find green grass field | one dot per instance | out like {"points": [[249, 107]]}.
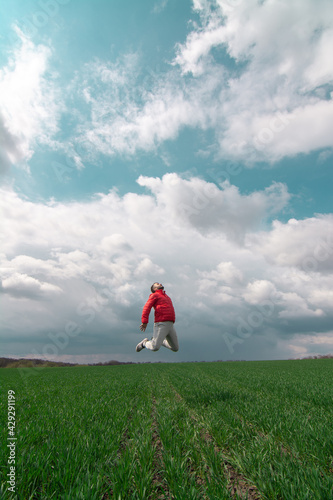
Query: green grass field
{"points": [[180, 431]]}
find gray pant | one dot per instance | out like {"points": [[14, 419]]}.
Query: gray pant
{"points": [[164, 335]]}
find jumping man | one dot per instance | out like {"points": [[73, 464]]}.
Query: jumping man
{"points": [[164, 331]]}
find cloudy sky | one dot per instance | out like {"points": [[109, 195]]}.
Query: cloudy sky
{"points": [[187, 142]]}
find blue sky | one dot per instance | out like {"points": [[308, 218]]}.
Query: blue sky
{"points": [[186, 142]]}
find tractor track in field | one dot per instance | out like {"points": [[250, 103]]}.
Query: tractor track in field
{"points": [[284, 451], [122, 446], [161, 487], [238, 486], [161, 490]]}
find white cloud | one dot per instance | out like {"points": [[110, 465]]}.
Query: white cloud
{"points": [[126, 115], [271, 110], [226, 272], [317, 339], [295, 306], [306, 244], [312, 345], [308, 130], [29, 103], [259, 291], [320, 71], [269, 98], [190, 56], [208, 208], [268, 104], [114, 244], [322, 298], [22, 285], [146, 266], [92, 263]]}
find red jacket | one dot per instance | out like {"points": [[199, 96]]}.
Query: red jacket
{"points": [[162, 304]]}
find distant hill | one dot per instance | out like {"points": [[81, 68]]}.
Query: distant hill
{"points": [[319, 356], [40, 363], [31, 363]]}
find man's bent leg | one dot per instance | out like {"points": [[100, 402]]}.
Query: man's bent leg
{"points": [[161, 330], [171, 340]]}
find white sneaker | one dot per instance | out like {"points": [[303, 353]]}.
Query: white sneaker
{"points": [[140, 345]]}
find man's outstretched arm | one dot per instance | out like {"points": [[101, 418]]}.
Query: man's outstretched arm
{"points": [[146, 311]]}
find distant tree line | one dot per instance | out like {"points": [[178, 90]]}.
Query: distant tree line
{"points": [[318, 356], [31, 363]]}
